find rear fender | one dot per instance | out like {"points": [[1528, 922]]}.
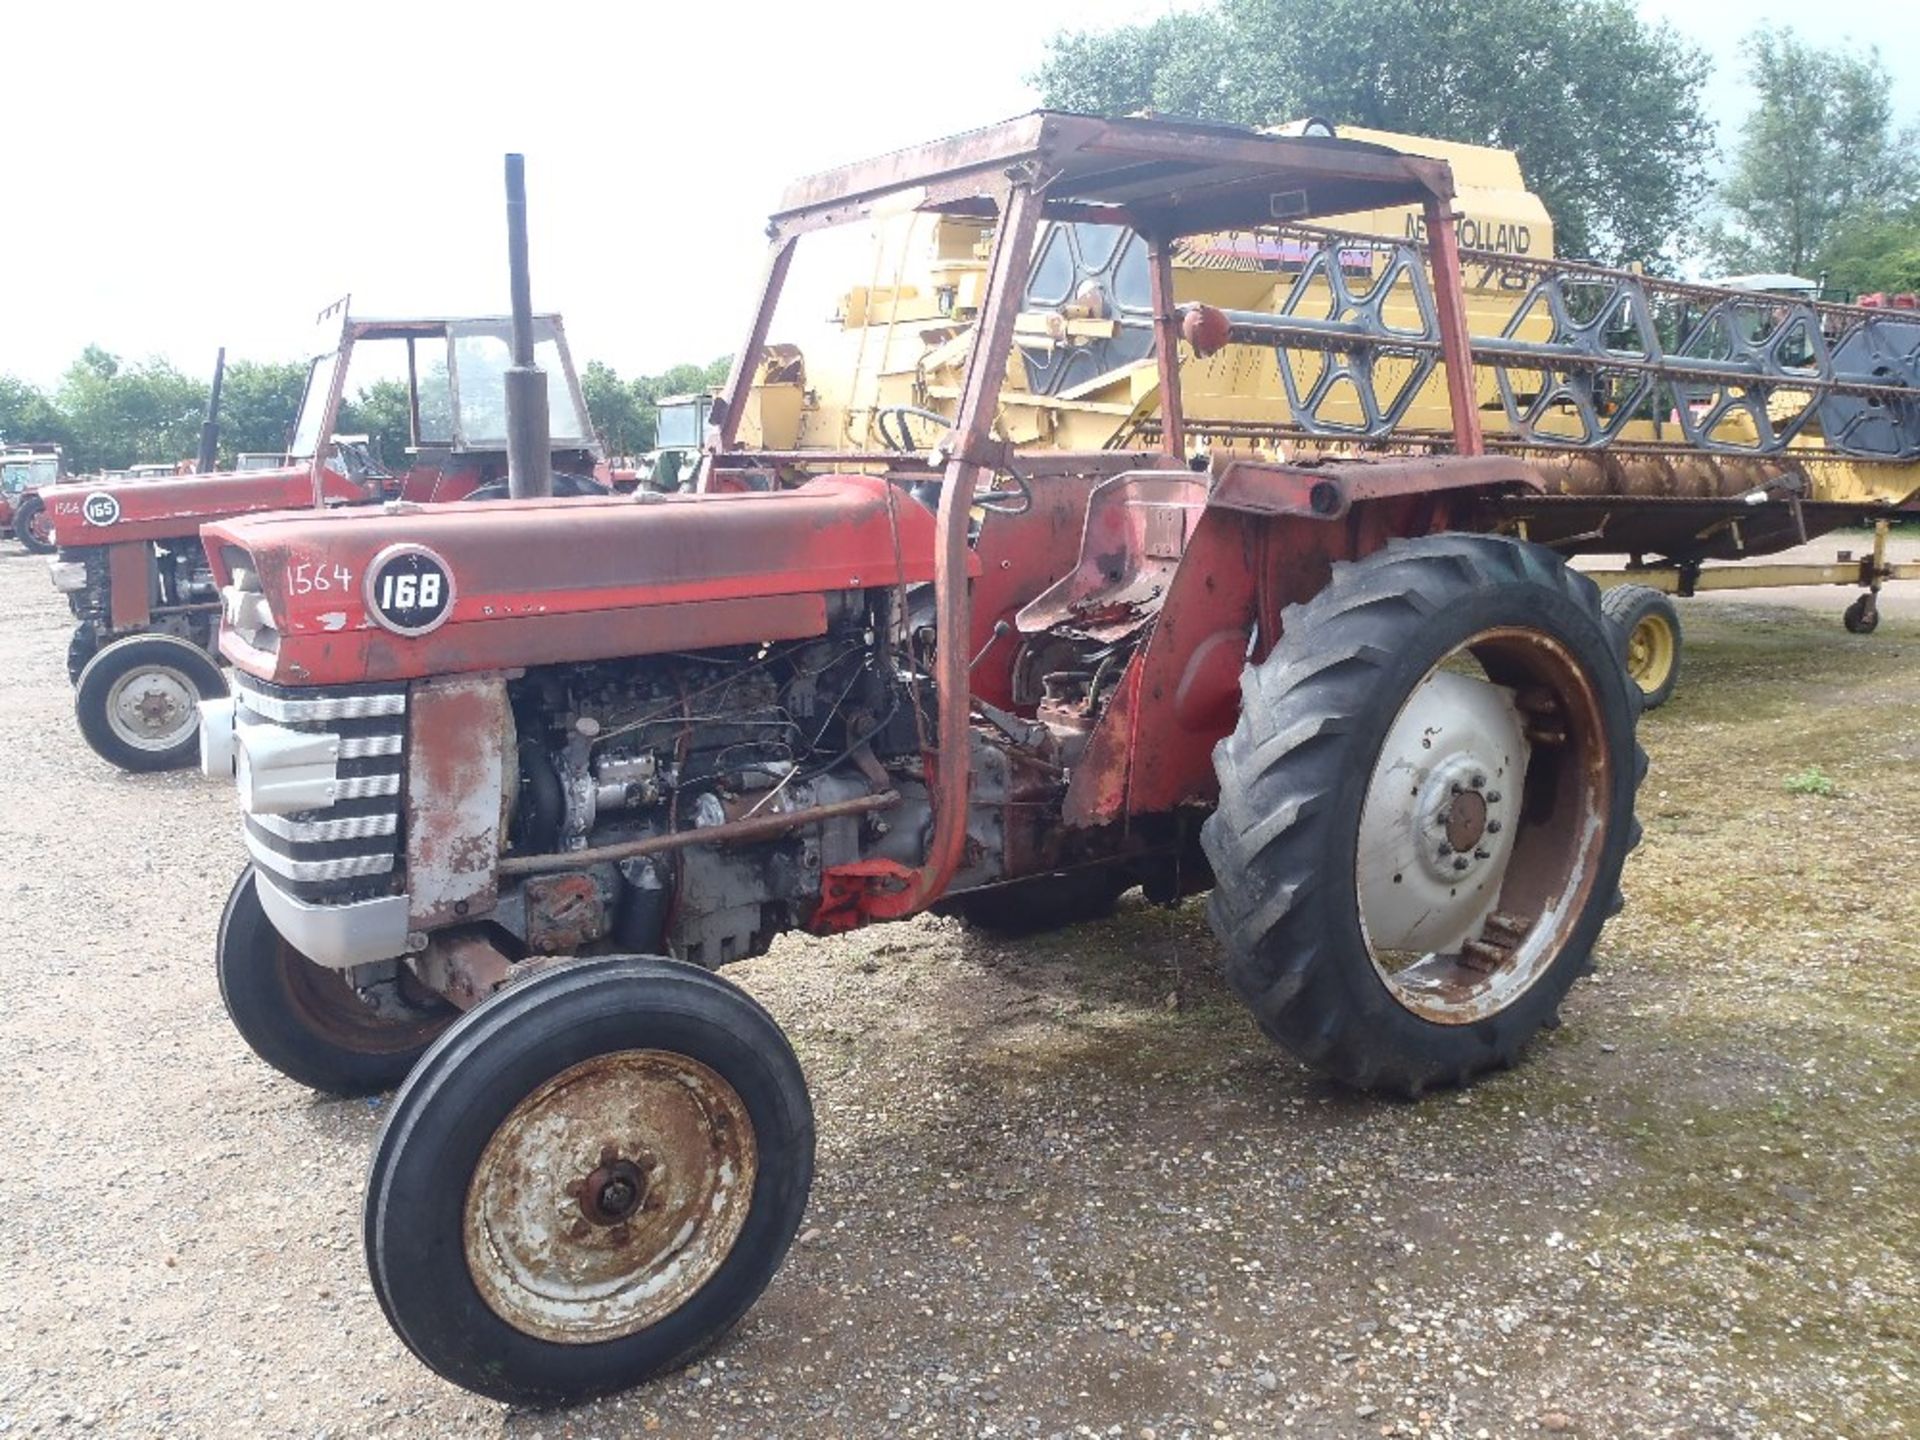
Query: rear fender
{"points": [[1268, 537]]}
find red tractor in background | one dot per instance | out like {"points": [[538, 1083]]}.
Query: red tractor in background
{"points": [[26, 470], [130, 556], [516, 784]]}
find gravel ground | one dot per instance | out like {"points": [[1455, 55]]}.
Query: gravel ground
{"points": [[1065, 1189]]}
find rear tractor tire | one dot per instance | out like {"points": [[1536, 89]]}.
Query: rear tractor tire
{"points": [[1424, 810], [138, 701], [1648, 623], [81, 647], [590, 1177], [33, 526], [305, 1020]]}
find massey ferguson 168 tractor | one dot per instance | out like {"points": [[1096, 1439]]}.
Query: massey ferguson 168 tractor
{"points": [[131, 561], [516, 784]]}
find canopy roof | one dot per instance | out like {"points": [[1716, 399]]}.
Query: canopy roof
{"points": [[1162, 177]]}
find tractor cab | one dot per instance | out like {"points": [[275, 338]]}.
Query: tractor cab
{"points": [[438, 388], [680, 432]]}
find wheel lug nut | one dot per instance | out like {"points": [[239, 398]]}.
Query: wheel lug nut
{"points": [[1479, 854], [1493, 827], [1493, 797], [1479, 782], [1459, 862]]}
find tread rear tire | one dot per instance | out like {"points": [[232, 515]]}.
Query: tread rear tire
{"points": [[30, 526], [304, 1019], [1035, 906], [1295, 776]]}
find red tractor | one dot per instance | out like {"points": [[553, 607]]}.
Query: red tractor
{"points": [[130, 556], [516, 785]]}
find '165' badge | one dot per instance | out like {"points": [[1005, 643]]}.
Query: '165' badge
{"points": [[409, 590], [100, 508]]}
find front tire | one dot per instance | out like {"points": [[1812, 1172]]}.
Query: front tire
{"points": [[33, 526], [305, 1020], [589, 1178], [1648, 624], [138, 701], [1413, 860]]}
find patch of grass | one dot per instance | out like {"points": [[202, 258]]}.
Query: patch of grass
{"points": [[1811, 781]]}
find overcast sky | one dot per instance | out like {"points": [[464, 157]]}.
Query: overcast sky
{"points": [[177, 177]]}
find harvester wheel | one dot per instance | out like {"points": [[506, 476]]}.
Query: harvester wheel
{"points": [[590, 1177], [1649, 627], [1862, 616], [1424, 810], [305, 1020], [33, 526], [1047, 902], [138, 701]]}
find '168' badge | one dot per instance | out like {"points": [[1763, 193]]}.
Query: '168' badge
{"points": [[409, 590]]}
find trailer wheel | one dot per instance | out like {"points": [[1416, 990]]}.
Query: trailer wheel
{"points": [[589, 1178], [304, 1019], [1047, 902], [138, 701], [1649, 626], [33, 526], [1424, 811], [1862, 617], [81, 647]]}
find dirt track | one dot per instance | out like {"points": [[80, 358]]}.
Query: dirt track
{"points": [[1065, 1189]]}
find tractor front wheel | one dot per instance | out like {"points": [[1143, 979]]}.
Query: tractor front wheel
{"points": [[590, 1177], [1424, 810], [33, 526], [1862, 617], [307, 1021], [138, 701], [1648, 624]]}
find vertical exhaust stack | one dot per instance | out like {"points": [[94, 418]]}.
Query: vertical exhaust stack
{"points": [[210, 427], [529, 451]]}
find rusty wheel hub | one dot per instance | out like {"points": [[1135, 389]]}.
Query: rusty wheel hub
{"points": [[153, 708], [609, 1196], [1463, 891]]}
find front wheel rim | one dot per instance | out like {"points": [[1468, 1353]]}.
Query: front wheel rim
{"points": [[609, 1196], [1484, 820], [153, 708]]}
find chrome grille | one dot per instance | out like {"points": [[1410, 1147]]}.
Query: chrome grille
{"points": [[352, 846]]}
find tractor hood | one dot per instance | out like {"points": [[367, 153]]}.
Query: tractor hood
{"points": [[127, 510], [406, 591]]}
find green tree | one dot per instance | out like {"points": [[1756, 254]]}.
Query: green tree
{"points": [[1874, 252], [258, 404], [123, 415], [1818, 155], [1603, 108], [26, 414], [382, 412], [624, 421]]}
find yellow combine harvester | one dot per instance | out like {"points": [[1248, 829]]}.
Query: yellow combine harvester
{"points": [[1681, 425]]}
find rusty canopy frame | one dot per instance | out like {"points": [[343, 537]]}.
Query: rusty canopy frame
{"points": [[1163, 179]]}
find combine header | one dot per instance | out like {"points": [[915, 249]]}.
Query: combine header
{"points": [[554, 772]]}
